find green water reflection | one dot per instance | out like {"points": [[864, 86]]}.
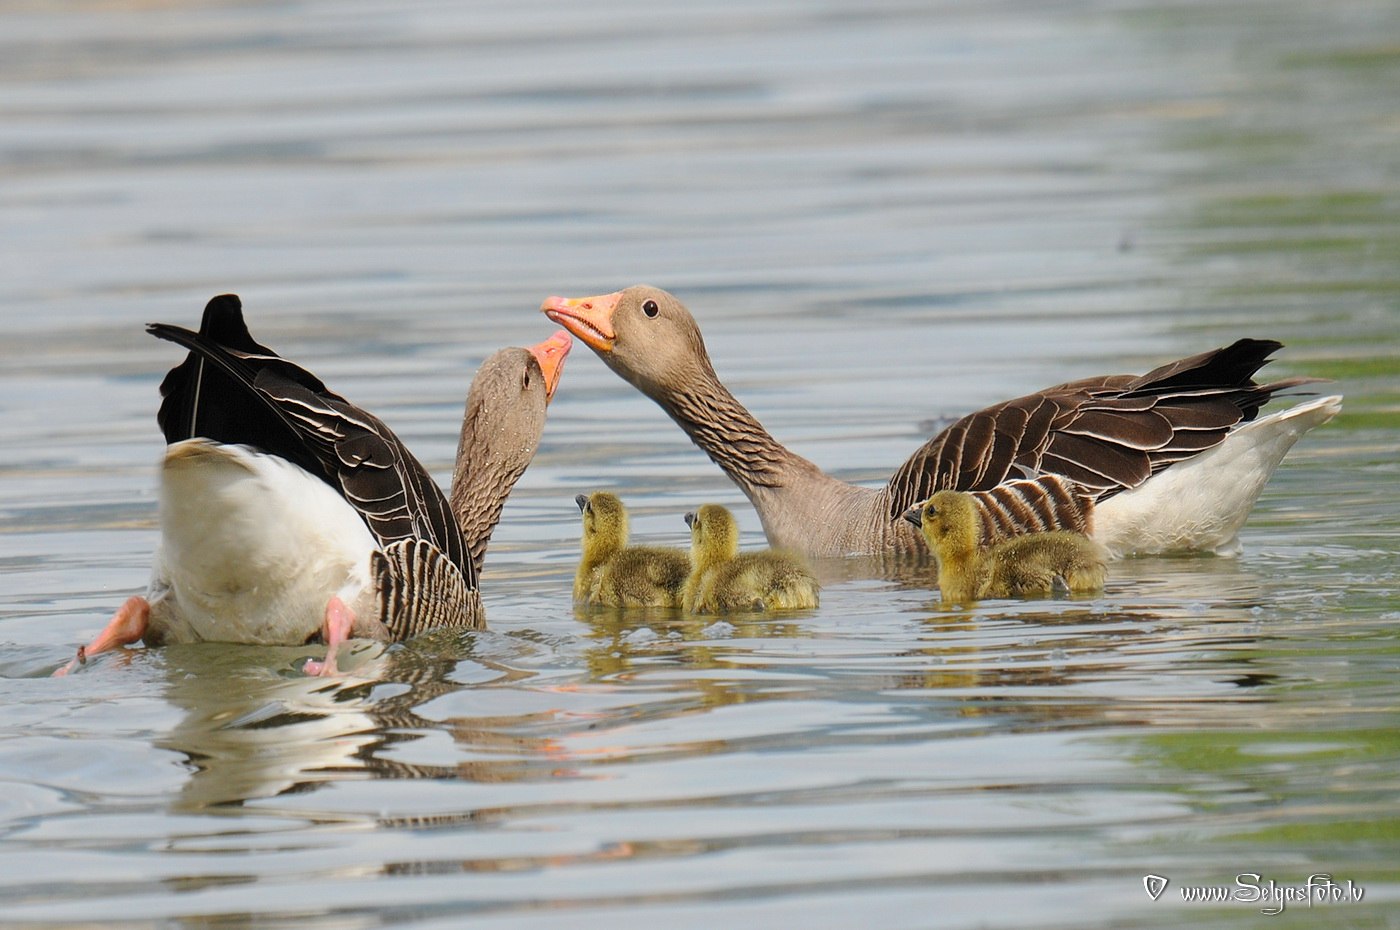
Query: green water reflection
{"points": [[1289, 218]]}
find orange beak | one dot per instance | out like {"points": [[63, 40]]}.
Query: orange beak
{"points": [[589, 318], [551, 354]]}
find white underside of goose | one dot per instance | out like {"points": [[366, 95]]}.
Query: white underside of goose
{"points": [[252, 548], [1200, 504]]}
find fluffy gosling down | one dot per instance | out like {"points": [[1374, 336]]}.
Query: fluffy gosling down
{"points": [[614, 574], [1025, 565], [724, 579]]}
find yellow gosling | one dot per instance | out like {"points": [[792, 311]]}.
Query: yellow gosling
{"points": [[724, 579], [614, 574], [1026, 565]]}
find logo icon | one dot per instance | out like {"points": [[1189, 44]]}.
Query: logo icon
{"points": [[1155, 885]]}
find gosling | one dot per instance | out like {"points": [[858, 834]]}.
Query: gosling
{"points": [[1034, 564], [723, 579], [614, 574]]}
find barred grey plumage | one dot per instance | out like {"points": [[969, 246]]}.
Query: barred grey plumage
{"points": [[419, 589], [1034, 505]]}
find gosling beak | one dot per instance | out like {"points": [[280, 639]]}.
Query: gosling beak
{"points": [[582, 501], [915, 516], [589, 318], [690, 519], [551, 354]]}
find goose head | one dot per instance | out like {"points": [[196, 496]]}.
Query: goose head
{"points": [[506, 404], [642, 333]]}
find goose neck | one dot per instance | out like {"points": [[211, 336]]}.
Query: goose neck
{"points": [[732, 437]]}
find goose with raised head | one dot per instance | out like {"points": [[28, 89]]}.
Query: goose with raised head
{"points": [[724, 579], [1033, 564], [1172, 460], [614, 574], [287, 513]]}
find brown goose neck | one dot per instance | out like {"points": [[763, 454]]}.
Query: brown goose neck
{"points": [[479, 490], [731, 436]]}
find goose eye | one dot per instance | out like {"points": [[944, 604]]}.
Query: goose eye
{"points": [[527, 381], [650, 308]]}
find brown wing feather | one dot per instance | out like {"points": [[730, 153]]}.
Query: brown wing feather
{"points": [[301, 420], [1108, 433]]}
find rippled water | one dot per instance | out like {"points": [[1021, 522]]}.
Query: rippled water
{"points": [[884, 215]]}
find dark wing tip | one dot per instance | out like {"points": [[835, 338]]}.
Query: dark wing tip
{"points": [[222, 324], [1229, 366], [171, 333], [220, 307]]}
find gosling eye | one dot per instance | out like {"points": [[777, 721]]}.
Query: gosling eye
{"points": [[650, 309]]}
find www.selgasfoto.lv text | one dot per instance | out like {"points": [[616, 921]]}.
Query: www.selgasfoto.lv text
{"points": [[1253, 888]]}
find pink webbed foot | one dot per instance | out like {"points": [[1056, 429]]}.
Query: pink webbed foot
{"points": [[335, 629], [127, 626]]}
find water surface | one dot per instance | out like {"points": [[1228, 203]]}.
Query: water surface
{"points": [[884, 215]]}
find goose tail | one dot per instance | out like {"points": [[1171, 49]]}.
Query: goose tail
{"points": [[1202, 502]]}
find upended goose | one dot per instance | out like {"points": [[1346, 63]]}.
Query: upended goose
{"points": [[1172, 460], [614, 574], [1033, 564], [286, 512]]}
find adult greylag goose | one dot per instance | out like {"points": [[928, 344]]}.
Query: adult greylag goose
{"points": [[1032, 564], [724, 579], [614, 574], [1170, 460], [287, 513]]}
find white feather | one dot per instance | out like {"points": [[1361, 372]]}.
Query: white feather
{"points": [[1201, 503], [252, 547]]}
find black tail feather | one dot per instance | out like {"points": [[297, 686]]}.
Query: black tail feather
{"points": [[223, 363]]}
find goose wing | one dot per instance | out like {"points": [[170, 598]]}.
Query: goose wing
{"points": [[233, 390], [1105, 434]]}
